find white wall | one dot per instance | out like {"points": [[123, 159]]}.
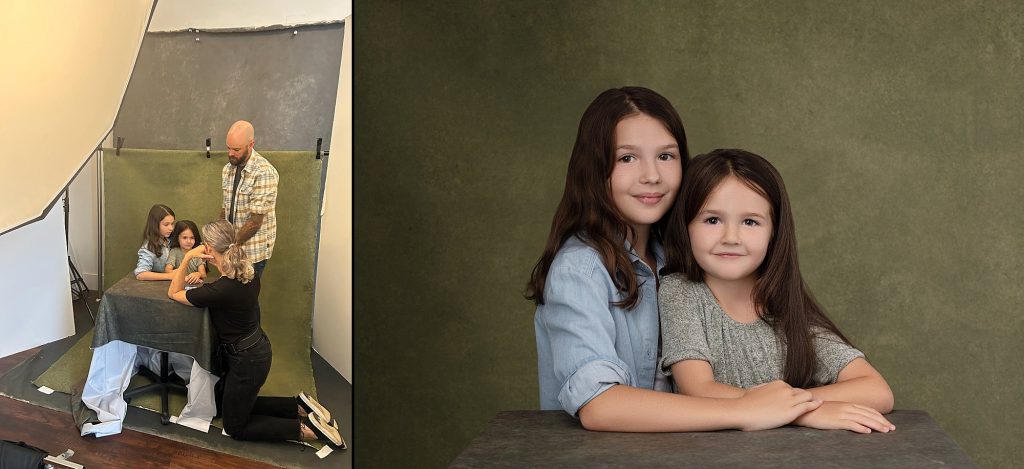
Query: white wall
{"points": [[56, 102], [83, 222], [177, 15], [35, 285], [332, 309], [66, 68]]}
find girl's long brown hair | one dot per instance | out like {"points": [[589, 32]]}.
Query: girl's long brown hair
{"points": [[151, 235], [781, 297], [586, 209]]}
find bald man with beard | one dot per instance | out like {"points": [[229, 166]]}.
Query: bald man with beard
{"points": [[249, 186]]}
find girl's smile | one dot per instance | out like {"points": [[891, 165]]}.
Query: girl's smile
{"points": [[649, 199], [730, 234]]}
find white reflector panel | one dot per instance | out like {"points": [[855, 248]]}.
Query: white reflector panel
{"points": [[66, 68]]}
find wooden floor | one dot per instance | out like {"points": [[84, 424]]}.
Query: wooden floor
{"points": [[55, 431]]}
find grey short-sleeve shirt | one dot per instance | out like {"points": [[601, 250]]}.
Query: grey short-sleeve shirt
{"points": [[176, 255], [694, 327]]}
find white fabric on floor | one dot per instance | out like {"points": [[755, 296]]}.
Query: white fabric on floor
{"points": [[201, 406], [111, 370]]}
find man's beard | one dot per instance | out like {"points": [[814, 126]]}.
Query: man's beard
{"points": [[242, 159]]}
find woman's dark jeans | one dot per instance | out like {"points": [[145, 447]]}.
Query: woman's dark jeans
{"points": [[246, 415]]}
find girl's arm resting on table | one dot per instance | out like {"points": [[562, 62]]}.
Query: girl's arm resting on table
{"points": [[858, 383], [169, 268], [576, 322], [202, 270], [855, 402], [695, 378], [148, 275], [837, 415], [147, 261], [628, 409], [176, 291]]}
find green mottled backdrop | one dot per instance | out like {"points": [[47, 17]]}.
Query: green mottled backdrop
{"points": [[190, 184], [897, 126]]}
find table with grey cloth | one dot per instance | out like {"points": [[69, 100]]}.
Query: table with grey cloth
{"points": [[139, 312], [554, 439]]}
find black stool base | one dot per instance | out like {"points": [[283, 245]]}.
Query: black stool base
{"points": [[162, 383]]}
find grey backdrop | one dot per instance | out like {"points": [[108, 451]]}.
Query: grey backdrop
{"points": [[183, 91], [896, 125]]}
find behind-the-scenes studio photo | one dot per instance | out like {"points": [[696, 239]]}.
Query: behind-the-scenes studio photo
{"points": [[176, 241]]}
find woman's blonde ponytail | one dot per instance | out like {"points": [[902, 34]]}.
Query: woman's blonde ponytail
{"points": [[220, 236]]}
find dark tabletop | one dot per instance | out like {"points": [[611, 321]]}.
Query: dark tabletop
{"points": [[139, 312], [554, 439]]}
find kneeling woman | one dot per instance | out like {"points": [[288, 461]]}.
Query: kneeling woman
{"points": [[233, 302]]}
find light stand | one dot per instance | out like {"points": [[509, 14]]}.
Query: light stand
{"points": [[79, 290]]}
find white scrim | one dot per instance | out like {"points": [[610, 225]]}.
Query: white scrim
{"points": [[66, 68]]}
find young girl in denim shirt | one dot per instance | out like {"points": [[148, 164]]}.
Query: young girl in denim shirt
{"points": [[153, 258], [734, 308], [595, 285], [154, 251]]}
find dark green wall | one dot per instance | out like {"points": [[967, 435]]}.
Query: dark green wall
{"points": [[896, 126]]}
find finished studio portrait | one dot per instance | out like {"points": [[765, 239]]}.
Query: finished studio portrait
{"points": [[689, 234]]}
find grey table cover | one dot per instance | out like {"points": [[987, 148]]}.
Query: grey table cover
{"points": [[139, 312], [553, 439]]}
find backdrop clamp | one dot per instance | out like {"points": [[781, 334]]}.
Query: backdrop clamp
{"points": [[207, 147], [319, 143], [117, 147]]}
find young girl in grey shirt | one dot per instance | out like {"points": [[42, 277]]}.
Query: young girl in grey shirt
{"points": [[184, 237], [735, 313]]}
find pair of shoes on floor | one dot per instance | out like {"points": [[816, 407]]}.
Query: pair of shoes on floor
{"points": [[325, 432], [313, 407]]}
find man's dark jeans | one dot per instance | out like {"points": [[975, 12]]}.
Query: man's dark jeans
{"points": [[259, 266]]}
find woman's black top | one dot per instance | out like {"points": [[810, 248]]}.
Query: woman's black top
{"points": [[233, 306]]}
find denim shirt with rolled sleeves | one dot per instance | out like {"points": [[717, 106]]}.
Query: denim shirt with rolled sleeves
{"points": [[149, 262], [586, 344]]}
